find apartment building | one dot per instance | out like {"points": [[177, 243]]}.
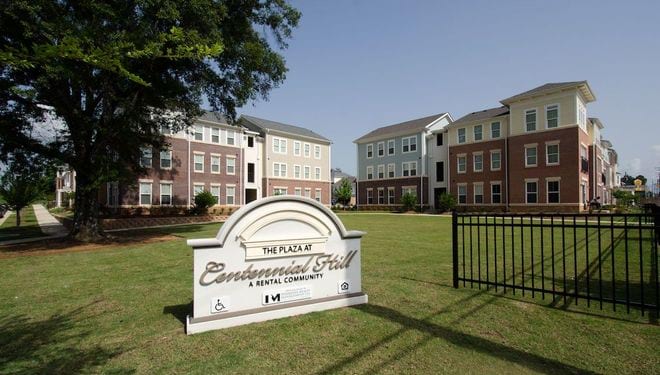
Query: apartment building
{"points": [[409, 157], [539, 151], [234, 162], [296, 161]]}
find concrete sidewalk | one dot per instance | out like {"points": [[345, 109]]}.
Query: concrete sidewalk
{"points": [[48, 224], [7, 215]]}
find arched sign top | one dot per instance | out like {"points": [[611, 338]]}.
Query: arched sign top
{"points": [[274, 209]]}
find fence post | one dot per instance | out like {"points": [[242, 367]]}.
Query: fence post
{"points": [[656, 222], [454, 245]]}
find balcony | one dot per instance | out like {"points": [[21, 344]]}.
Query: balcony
{"points": [[584, 165]]}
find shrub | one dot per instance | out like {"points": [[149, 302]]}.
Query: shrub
{"points": [[408, 201], [203, 200], [446, 202]]}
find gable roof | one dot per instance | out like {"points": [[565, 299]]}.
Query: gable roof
{"points": [[263, 126], [583, 86], [411, 126], [214, 117], [481, 115]]}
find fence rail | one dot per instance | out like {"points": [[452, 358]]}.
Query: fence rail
{"points": [[580, 258]]}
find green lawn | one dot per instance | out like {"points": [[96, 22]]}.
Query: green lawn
{"points": [[121, 310], [29, 227]]}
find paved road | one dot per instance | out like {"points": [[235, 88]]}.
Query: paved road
{"points": [[48, 224], [7, 214]]}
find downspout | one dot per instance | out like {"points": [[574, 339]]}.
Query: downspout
{"points": [[506, 168], [240, 171], [267, 160], [330, 179], [188, 161], [423, 169]]}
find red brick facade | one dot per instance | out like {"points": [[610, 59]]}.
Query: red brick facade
{"points": [[420, 183], [486, 176], [290, 185]]}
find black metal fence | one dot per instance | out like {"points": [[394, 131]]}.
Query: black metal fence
{"points": [[609, 259]]}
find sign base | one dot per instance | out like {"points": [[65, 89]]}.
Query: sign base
{"points": [[229, 319]]}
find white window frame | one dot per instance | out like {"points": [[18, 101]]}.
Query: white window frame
{"points": [[231, 135], [307, 149], [217, 197], [493, 152], [317, 152], [317, 195], [458, 193], [279, 169], [481, 132], [165, 183], [499, 129], [230, 162], [219, 157], [370, 150], [380, 149], [547, 108], [380, 196], [219, 135], [232, 195], [169, 158], [297, 171], [408, 142], [317, 173], [370, 196], [536, 119], [391, 170], [198, 130], [548, 180], [392, 148], [279, 145], [195, 155], [534, 147], [409, 189], [194, 190], [547, 154], [408, 167], [492, 194], [370, 171], [297, 191], [474, 192], [474, 161], [280, 190], [151, 192], [307, 172], [460, 157], [146, 153], [532, 180], [381, 171], [308, 193], [297, 148], [458, 135], [391, 195]]}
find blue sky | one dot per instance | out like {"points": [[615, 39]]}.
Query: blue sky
{"points": [[358, 65]]}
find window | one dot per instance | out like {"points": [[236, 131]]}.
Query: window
{"points": [[308, 192], [145, 157], [461, 135], [166, 194], [409, 144], [391, 170], [552, 154], [215, 135], [496, 192], [553, 191], [279, 169], [199, 162], [495, 160], [250, 172], [552, 116], [166, 159], [410, 169], [370, 173], [479, 193], [370, 196], [439, 139], [296, 148], [478, 132], [279, 145], [439, 171], [229, 194], [381, 171], [317, 152], [250, 142], [381, 149], [317, 173], [462, 194], [317, 195], [231, 165], [390, 147], [390, 195], [381, 196], [412, 190], [145, 193], [530, 120], [308, 172], [296, 171], [280, 191], [197, 188], [215, 192], [232, 141], [478, 162], [495, 130], [462, 164], [531, 192], [370, 151], [297, 191], [199, 132], [307, 149], [215, 163], [530, 156]]}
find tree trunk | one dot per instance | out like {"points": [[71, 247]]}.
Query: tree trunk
{"points": [[86, 226], [18, 218]]}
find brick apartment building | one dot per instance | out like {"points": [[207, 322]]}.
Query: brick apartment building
{"points": [[538, 152], [233, 162], [409, 157]]}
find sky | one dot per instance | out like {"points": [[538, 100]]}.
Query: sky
{"points": [[358, 65]]}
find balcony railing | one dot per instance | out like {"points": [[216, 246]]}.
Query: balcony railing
{"points": [[584, 166]]}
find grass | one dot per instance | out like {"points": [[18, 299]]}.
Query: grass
{"points": [[29, 226], [62, 212], [120, 310]]}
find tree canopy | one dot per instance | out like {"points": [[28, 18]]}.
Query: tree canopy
{"points": [[115, 72]]}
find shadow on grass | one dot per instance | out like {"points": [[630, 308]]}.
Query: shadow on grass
{"points": [[53, 345], [531, 361], [180, 312]]}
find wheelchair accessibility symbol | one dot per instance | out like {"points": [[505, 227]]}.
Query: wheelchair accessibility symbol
{"points": [[219, 304]]}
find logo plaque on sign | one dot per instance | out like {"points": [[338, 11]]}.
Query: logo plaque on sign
{"points": [[275, 257]]}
